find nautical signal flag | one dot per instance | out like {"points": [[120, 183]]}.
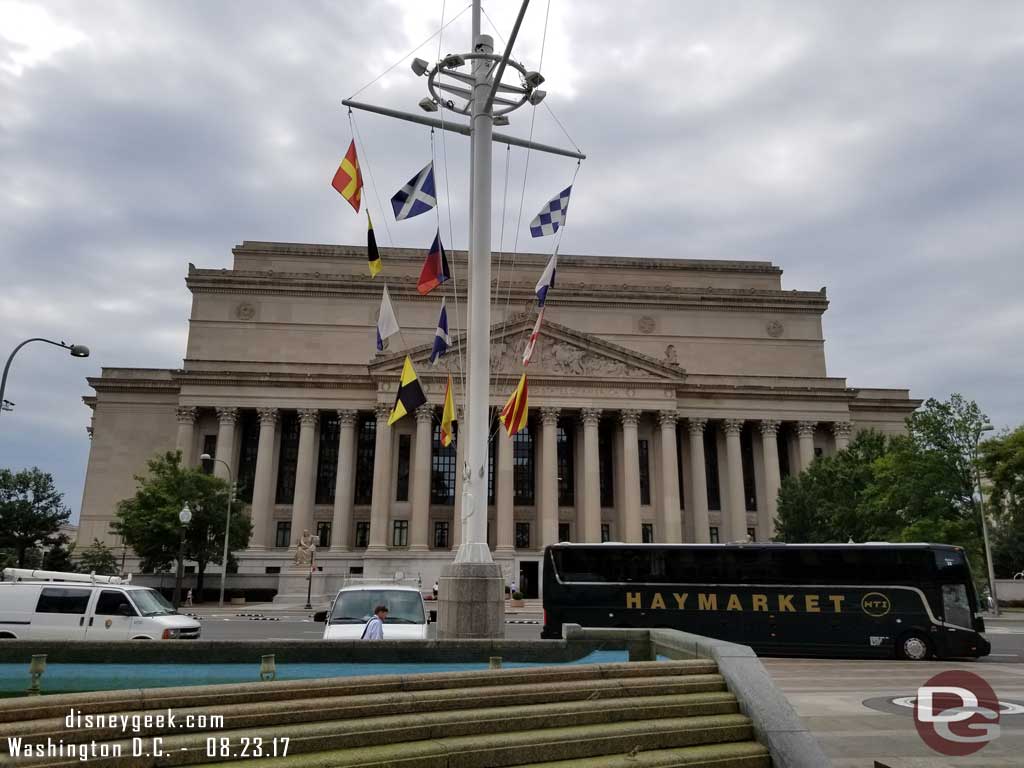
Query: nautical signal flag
{"points": [[372, 254], [387, 323], [447, 415], [513, 415], [441, 339], [417, 196], [410, 393], [347, 179], [435, 269], [528, 352], [547, 279], [552, 215]]}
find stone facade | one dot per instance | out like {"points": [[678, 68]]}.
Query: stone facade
{"points": [[667, 400]]}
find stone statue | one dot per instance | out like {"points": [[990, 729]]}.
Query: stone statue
{"points": [[305, 549], [671, 356]]}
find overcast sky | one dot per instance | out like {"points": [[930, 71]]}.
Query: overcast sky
{"points": [[873, 148]]}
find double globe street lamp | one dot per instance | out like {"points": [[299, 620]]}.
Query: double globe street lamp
{"points": [[184, 517], [76, 350]]}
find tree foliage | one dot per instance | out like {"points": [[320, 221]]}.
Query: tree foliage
{"points": [[149, 523], [98, 559], [1002, 464], [913, 487], [32, 512]]}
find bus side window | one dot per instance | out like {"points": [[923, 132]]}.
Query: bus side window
{"points": [[955, 605]]}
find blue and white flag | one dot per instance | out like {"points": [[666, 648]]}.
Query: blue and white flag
{"points": [[417, 196], [387, 323], [547, 279], [441, 338], [552, 215]]}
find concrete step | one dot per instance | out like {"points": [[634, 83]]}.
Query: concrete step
{"points": [[496, 750], [691, 694], [739, 754], [222, 699]]}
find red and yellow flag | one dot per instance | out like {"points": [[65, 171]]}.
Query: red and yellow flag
{"points": [[513, 415], [447, 415], [348, 180]]}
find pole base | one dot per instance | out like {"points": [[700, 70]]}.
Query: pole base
{"points": [[471, 602]]}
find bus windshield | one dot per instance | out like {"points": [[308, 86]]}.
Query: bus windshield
{"points": [[356, 606]]}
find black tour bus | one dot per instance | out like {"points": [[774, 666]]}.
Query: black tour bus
{"points": [[911, 600]]}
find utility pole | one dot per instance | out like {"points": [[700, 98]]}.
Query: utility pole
{"points": [[471, 589]]}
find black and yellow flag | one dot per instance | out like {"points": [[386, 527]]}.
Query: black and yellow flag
{"points": [[372, 255], [410, 393]]}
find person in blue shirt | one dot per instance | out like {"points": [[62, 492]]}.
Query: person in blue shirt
{"points": [[374, 629]]}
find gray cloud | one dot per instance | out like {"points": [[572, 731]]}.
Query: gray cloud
{"points": [[876, 150]]}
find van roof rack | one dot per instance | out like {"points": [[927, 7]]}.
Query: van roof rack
{"points": [[34, 574], [399, 579]]}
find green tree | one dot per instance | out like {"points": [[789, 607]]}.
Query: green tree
{"points": [[59, 556], [149, 523], [32, 512], [830, 501], [98, 559], [1002, 464]]}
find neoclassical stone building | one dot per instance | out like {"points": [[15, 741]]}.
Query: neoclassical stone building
{"points": [[667, 399]]}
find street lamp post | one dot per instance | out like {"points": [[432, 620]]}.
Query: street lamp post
{"points": [[184, 517], [312, 570], [76, 350], [227, 522], [984, 523]]}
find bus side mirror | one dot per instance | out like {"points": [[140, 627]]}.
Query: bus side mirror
{"points": [[320, 616]]}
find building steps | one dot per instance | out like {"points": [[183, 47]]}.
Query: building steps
{"points": [[663, 713]]}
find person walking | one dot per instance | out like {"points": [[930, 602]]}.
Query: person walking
{"points": [[188, 599], [435, 590], [374, 629]]}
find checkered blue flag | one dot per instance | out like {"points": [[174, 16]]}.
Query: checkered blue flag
{"points": [[552, 215]]}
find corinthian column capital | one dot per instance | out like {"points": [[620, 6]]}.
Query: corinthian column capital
{"points": [[424, 413], [227, 415], [308, 417], [696, 424], [629, 417], [347, 418], [769, 427], [549, 415], [732, 426], [842, 428], [668, 418], [186, 414], [806, 428], [382, 411], [268, 416], [590, 416]]}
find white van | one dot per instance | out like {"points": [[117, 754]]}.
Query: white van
{"points": [[353, 607], [49, 605]]}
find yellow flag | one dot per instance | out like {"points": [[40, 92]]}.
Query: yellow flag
{"points": [[513, 415], [447, 415]]}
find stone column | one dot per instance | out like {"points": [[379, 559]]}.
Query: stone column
{"points": [[421, 479], [841, 431], [549, 476], [770, 452], [505, 492], [305, 475], [737, 503], [805, 433], [263, 484], [671, 514], [380, 505], [460, 459], [630, 504], [344, 481], [228, 418], [590, 417], [698, 473], [186, 434]]}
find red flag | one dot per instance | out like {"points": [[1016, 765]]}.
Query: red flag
{"points": [[435, 269]]}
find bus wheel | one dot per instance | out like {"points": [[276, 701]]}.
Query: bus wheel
{"points": [[914, 647]]}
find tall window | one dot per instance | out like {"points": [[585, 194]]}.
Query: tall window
{"points": [[522, 535], [647, 533], [606, 464], [289, 458], [713, 534], [210, 445], [400, 534], [441, 534], [679, 465], [747, 456], [365, 445], [522, 466], [782, 441], [564, 532], [443, 471], [327, 463], [645, 472], [752, 533], [283, 536], [402, 484], [250, 425], [606, 532], [362, 533], [711, 466], [566, 466], [323, 533]]}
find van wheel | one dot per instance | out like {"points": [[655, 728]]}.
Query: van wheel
{"points": [[914, 647], [7, 636]]}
